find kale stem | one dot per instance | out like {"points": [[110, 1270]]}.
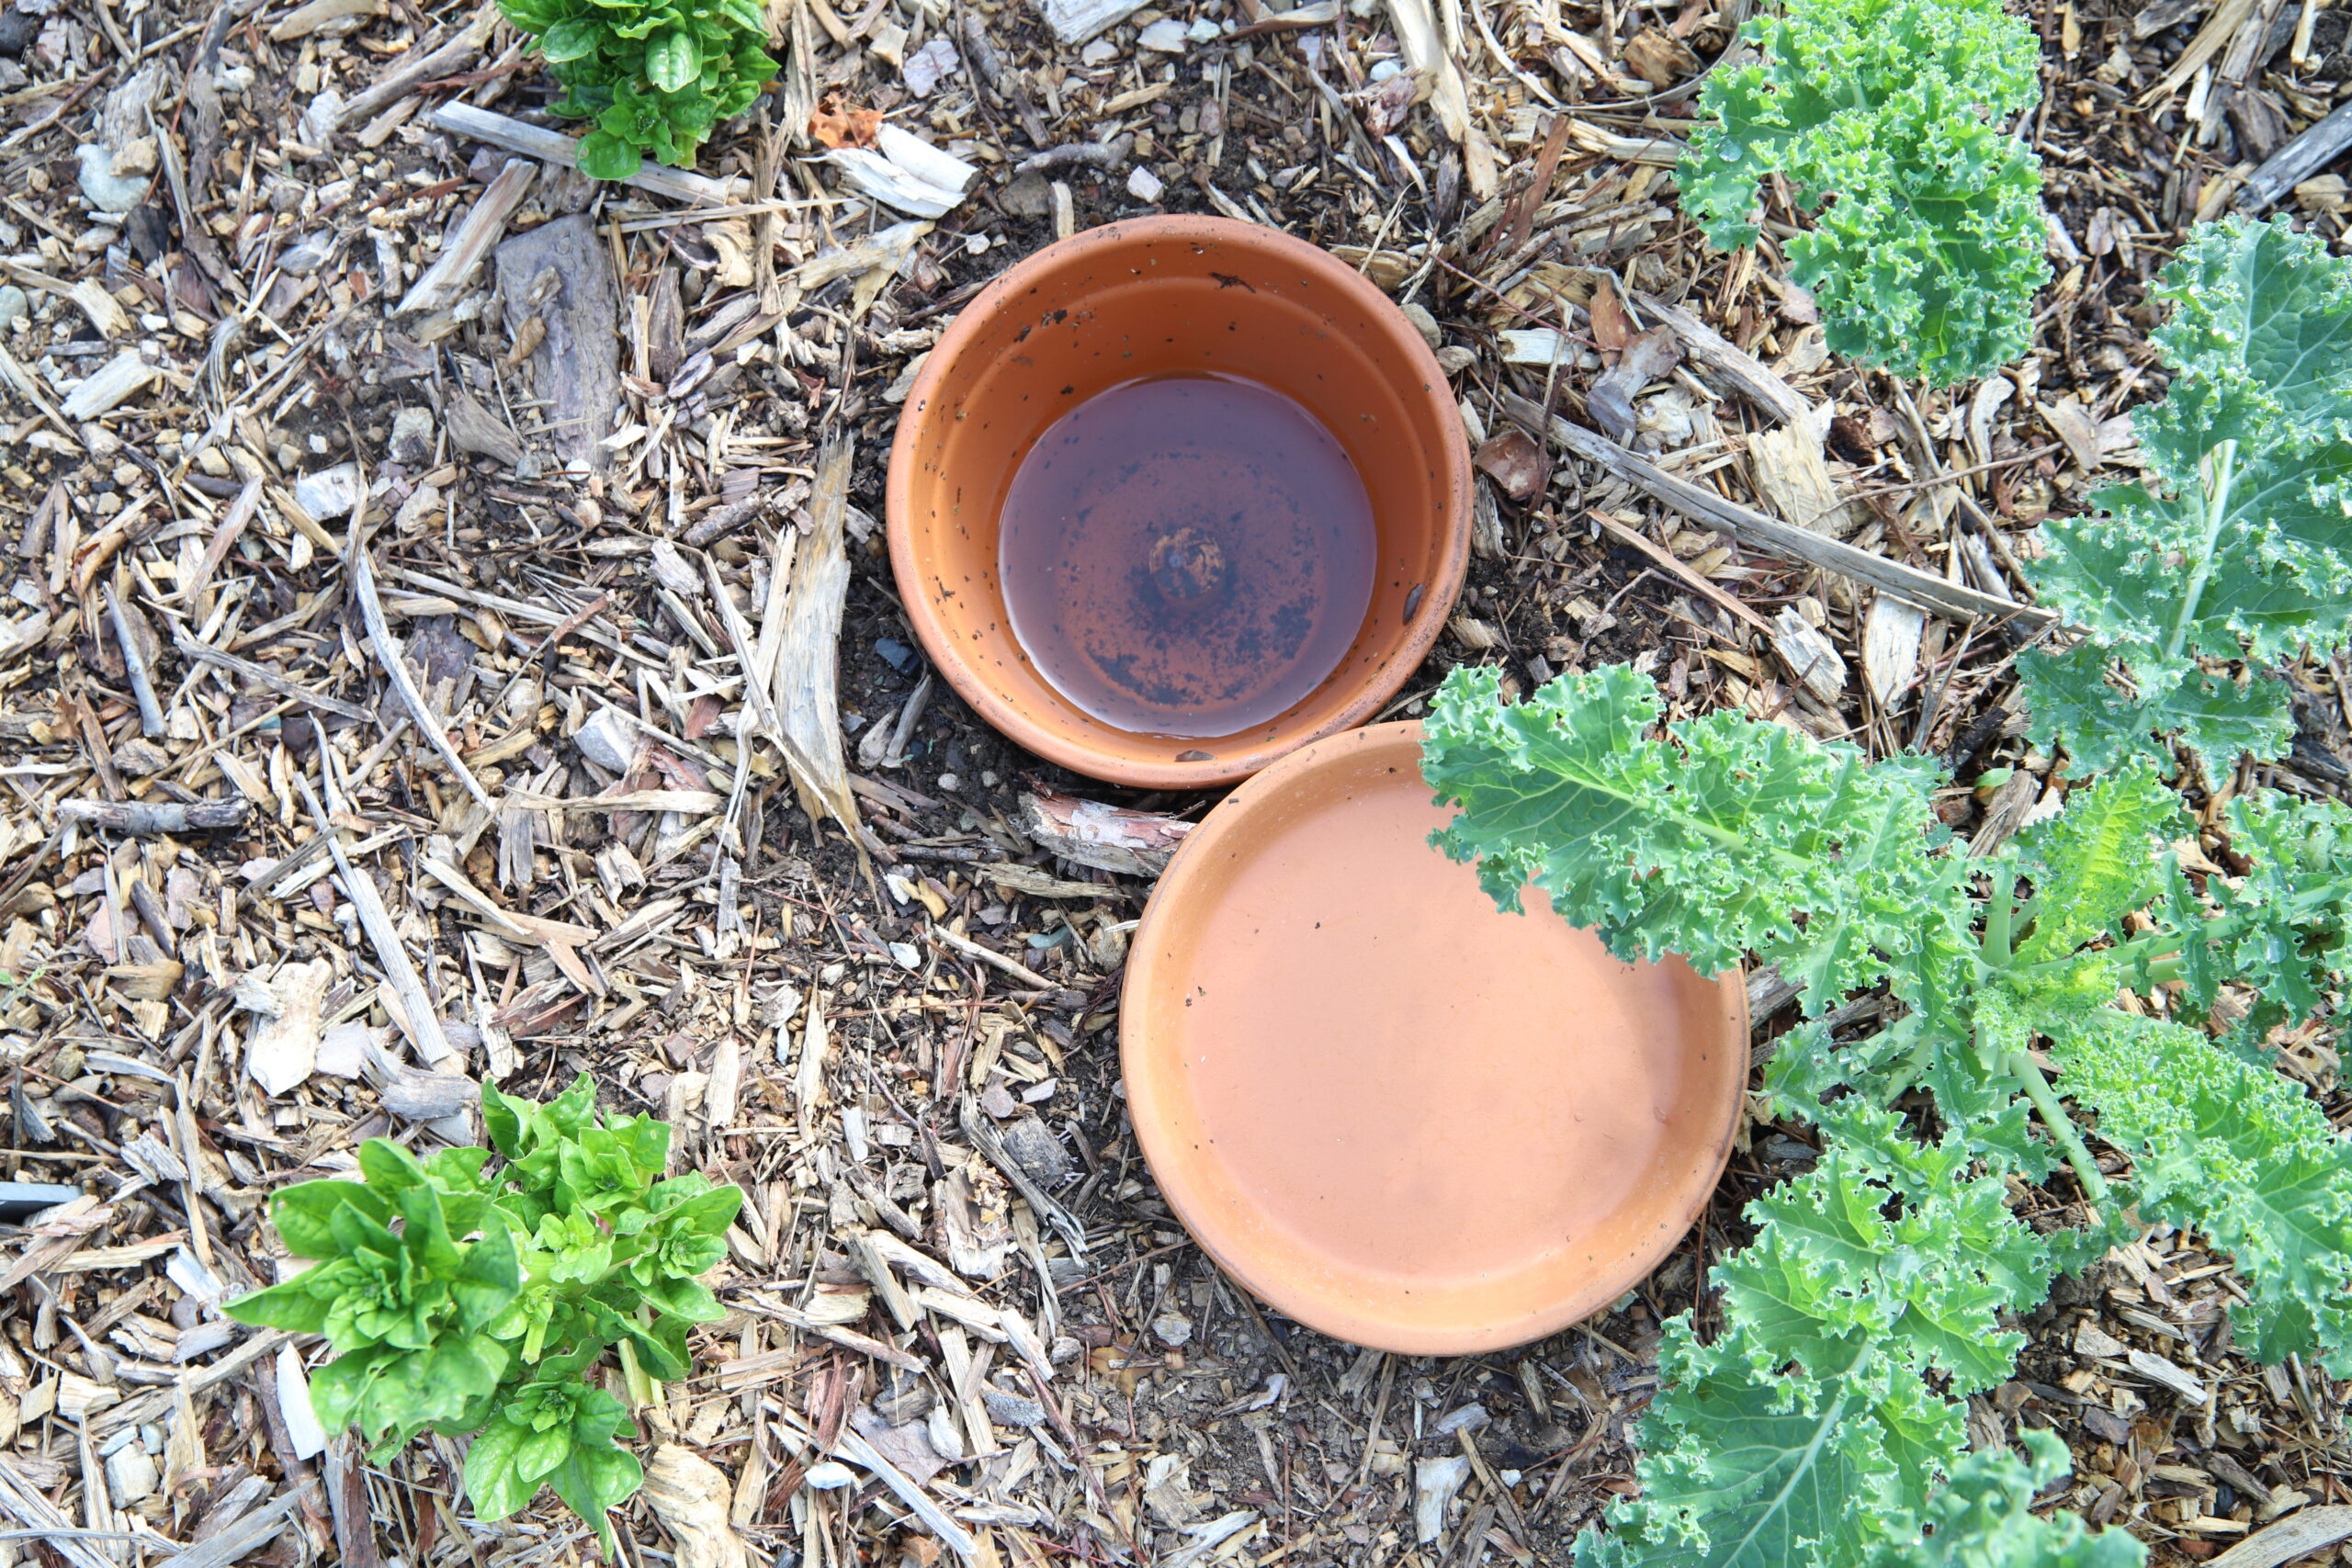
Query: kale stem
{"points": [[2217, 512], [1998, 918], [2061, 1125]]}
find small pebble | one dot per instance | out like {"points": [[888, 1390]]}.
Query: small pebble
{"points": [[14, 307], [1012, 1409], [830, 1475], [1145, 186]]}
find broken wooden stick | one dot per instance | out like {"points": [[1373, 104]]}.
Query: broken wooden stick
{"points": [[2302, 156], [395, 661], [423, 1022], [460, 119], [1754, 529], [151, 818]]}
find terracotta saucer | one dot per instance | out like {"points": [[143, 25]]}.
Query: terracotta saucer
{"points": [[1392, 1111]]}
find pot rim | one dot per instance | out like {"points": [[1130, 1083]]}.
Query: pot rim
{"points": [[1230, 766], [1330, 1312]]}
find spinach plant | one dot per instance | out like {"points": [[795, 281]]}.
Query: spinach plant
{"points": [[460, 1298], [1824, 1423], [2241, 547], [1885, 117], [655, 75]]}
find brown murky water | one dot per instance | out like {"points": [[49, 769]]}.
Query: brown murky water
{"points": [[1187, 554]]}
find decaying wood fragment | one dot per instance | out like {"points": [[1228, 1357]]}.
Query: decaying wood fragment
{"points": [[576, 366], [806, 681], [1109, 838], [149, 818], [483, 224], [1750, 527]]}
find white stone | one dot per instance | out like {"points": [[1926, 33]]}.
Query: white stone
{"points": [[609, 740], [108, 190], [330, 492], [831, 1475], [1145, 186], [131, 1475], [1167, 35]]}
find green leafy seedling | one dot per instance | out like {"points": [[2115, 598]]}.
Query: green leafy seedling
{"points": [[653, 76], [1886, 117], [461, 1298], [2238, 545]]}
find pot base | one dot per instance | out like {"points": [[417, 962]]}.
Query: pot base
{"points": [[1398, 1115]]}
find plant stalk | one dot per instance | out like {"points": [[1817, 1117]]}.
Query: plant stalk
{"points": [[2061, 1125], [2217, 512], [1998, 915]]}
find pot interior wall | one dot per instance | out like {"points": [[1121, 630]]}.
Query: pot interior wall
{"points": [[1176, 307]]}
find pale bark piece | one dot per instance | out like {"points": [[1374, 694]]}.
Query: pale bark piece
{"points": [[1649, 357], [1749, 376], [576, 366], [285, 1049], [1811, 657], [1109, 838], [1435, 1481], [1892, 632], [478, 433], [302, 1425], [1423, 48], [805, 684], [2311, 149], [463, 250], [691, 1497], [854, 1447], [152, 818], [1793, 476], [1075, 21], [460, 119], [125, 375], [2298, 1535]]}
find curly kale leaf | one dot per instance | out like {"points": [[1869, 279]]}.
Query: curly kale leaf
{"points": [[2096, 861], [2280, 930], [2241, 548], [1884, 114], [1984, 1519], [2233, 1151], [1709, 840], [1807, 1433]]}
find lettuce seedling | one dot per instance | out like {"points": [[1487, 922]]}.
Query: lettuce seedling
{"points": [[461, 1298], [1886, 117], [655, 75], [1825, 1424]]}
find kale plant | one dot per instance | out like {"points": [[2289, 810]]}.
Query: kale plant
{"points": [[2241, 547], [460, 1298], [1826, 1423], [1885, 116], [655, 75]]}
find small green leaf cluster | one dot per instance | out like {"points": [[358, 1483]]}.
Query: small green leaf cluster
{"points": [[2240, 547], [1825, 1424], [1886, 116], [655, 75], [464, 1299]]}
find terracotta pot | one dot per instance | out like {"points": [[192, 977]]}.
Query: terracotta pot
{"points": [[1154, 296], [1394, 1113]]}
